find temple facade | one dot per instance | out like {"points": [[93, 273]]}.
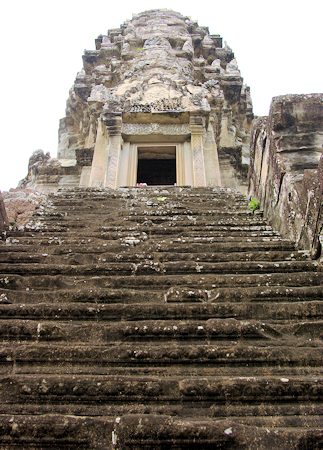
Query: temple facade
{"points": [[160, 101]]}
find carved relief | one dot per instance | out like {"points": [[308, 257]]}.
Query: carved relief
{"points": [[162, 105]]}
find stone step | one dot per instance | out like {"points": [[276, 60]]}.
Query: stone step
{"points": [[143, 431], [80, 257], [158, 431], [167, 235], [131, 194], [243, 294], [261, 230], [134, 192], [175, 213], [141, 223], [299, 311], [160, 282], [124, 228], [258, 294], [177, 206], [63, 245], [188, 212], [221, 354], [172, 330], [128, 193], [107, 208], [117, 213], [265, 414], [50, 431], [168, 191], [155, 268], [14, 236], [89, 390], [151, 230], [161, 369], [183, 220]]}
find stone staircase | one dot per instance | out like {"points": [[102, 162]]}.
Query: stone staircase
{"points": [[157, 319]]}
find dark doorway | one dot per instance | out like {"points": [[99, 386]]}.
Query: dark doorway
{"points": [[157, 165], [156, 171]]}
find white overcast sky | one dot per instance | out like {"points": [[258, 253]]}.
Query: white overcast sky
{"points": [[277, 43]]}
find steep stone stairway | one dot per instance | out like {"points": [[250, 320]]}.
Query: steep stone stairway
{"points": [[157, 318]]}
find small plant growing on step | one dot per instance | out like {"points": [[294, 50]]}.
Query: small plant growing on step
{"points": [[254, 204]]}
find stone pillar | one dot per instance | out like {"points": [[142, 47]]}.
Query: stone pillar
{"points": [[90, 139], [100, 156], [197, 135], [188, 163], [3, 215], [212, 167], [113, 122], [123, 176], [132, 165], [128, 165], [105, 164], [85, 176]]}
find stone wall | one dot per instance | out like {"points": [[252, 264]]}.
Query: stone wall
{"points": [[46, 174], [20, 205], [286, 167], [3, 215]]}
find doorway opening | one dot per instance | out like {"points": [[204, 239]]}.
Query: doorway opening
{"points": [[157, 165]]}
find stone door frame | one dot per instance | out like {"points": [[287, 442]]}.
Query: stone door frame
{"points": [[129, 162]]}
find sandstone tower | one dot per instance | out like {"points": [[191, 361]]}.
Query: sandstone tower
{"points": [[160, 101]]}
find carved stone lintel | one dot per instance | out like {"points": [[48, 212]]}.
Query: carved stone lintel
{"points": [[161, 105], [156, 128]]}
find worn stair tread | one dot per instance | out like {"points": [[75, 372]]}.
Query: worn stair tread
{"points": [[311, 310], [173, 295], [159, 369], [61, 246], [307, 414], [118, 353], [55, 431], [167, 233], [147, 430], [151, 267], [101, 256], [162, 281], [100, 389], [215, 329]]}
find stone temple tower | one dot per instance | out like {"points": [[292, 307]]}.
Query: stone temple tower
{"points": [[160, 101]]}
